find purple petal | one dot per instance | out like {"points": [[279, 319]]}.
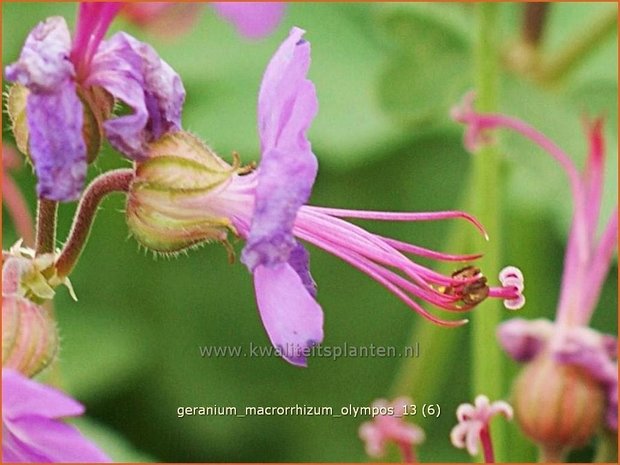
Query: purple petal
{"points": [[56, 143], [54, 441], [299, 260], [523, 339], [278, 198], [287, 101], [44, 63], [22, 396], [292, 318], [287, 105], [252, 19], [589, 349], [133, 72], [31, 431]]}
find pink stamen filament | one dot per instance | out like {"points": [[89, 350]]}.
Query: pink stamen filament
{"points": [[345, 235], [428, 253], [493, 121], [92, 24], [321, 223], [371, 270], [506, 292], [401, 216]]}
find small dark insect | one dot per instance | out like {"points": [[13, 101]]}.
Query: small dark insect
{"points": [[470, 292]]}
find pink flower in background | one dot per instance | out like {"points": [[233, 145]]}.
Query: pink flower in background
{"points": [[579, 355], [32, 425], [391, 427], [251, 19], [473, 426]]}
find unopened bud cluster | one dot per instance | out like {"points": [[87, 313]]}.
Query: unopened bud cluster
{"points": [[29, 333]]}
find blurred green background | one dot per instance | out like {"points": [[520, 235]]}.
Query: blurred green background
{"points": [[386, 76]]}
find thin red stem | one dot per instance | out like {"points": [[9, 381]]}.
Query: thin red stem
{"points": [[47, 211], [487, 445], [407, 452]]}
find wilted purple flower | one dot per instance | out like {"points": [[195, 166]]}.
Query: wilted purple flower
{"points": [[32, 426], [65, 102], [473, 426], [185, 194], [389, 426], [251, 19], [568, 341]]}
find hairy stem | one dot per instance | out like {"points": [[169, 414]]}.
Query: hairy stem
{"points": [[45, 241], [107, 183]]}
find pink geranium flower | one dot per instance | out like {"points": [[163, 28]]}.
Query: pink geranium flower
{"points": [[568, 340]]}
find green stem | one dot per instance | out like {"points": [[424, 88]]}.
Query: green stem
{"points": [[607, 448], [45, 241], [580, 46], [487, 367], [107, 183]]}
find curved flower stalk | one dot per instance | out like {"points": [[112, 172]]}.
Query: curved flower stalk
{"points": [[253, 20], [473, 427], [61, 106], [389, 426], [32, 426], [184, 194], [566, 349]]}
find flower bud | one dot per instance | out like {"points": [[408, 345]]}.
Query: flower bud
{"points": [[559, 406], [29, 335], [97, 105], [172, 203]]}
